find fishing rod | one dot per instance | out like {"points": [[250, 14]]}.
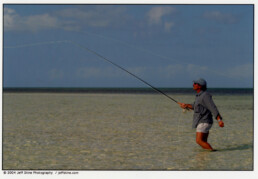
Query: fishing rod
{"points": [[102, 57], [120, 67]]}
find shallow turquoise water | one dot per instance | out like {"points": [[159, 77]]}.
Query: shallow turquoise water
{"points": [[121, 132]]}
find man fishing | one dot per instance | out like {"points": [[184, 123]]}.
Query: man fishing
{"points": [[204, 108]]}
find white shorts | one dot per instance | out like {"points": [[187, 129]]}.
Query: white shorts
{"points": [[203, 127]]}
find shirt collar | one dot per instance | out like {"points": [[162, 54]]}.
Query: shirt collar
{"points": [[200, 93]]}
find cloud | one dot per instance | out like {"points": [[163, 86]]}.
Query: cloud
{"points": [[225, 18], [44, 21], [240, 72], [170, 71], [78, 18], [10, 19], [166, 74], [143, 72], [197, 70], [168, 26], [94, 72], [155, 14], [99, 16], [66, 19], [13, 21], [160, 17]]}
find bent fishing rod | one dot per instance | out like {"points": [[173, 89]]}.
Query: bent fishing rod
{"points": [[120, 67], [102, 57]]}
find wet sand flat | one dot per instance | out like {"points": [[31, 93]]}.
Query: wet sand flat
{"points": [[121, 132]]}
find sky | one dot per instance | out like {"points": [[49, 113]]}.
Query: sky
{"points": [[165, 45]]}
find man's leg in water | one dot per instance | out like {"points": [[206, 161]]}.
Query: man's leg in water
{"points": [[201, 139], [205, 137]]}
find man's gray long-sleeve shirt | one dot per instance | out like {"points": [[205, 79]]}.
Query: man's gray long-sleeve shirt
{"points": [[204, 108]]}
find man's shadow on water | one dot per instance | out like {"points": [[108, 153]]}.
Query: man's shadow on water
{"points": [[238, 147]]}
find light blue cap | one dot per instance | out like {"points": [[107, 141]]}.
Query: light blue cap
{"points": [[200, 81]]}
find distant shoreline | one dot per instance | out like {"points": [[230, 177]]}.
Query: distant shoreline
{"points": [[127, 90]]}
